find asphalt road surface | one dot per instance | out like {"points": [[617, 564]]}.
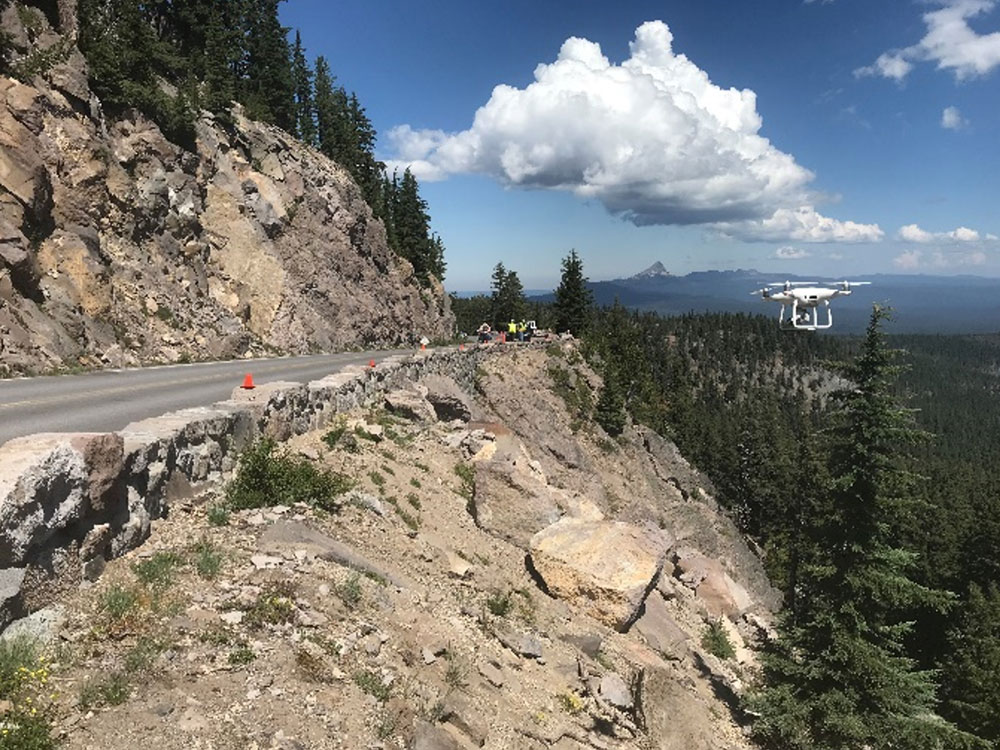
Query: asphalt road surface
{"points": [[108, 400]]}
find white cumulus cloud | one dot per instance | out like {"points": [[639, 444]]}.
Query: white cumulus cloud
{"points": [[911, 260], [803, 224], [908, 261], [950, 42], [951, 119], [787, 252], [651, 138], [913, 233]]}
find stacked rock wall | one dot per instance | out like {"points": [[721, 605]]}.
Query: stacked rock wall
{"points": [[69, 502]]}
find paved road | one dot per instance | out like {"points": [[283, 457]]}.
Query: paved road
{"points": [[109, 400]]}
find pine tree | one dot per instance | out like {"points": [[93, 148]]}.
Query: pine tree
{"points": [[507, 297], [839, 677], [574, 298], [326, 108], [609, 412], [971, 673], [267, 90], [411, 225], [305, 123]]}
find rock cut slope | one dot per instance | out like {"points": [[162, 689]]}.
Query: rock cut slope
{"points": [[118, 247], [502, 575]]}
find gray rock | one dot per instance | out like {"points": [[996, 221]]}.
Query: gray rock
{"points": [[492, 673], [411, 404], [43, 625], [429, 737], [614, 690], [588, 643], [659, 630], [448, 400], [293, 535]]}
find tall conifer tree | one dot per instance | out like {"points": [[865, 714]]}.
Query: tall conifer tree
{"points": [[305, 123], [839, 678], [574, 299]]}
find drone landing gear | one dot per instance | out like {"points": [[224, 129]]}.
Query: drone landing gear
{"points": [[807, 319]]}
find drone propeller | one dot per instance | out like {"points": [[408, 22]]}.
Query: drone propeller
{"points": [[846, 285], [789, 284], [765, 292]]}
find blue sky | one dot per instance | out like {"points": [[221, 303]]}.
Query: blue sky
{"points": [[834, 138]]}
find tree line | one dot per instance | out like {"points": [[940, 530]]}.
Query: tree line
{"points": [[172, 59]]}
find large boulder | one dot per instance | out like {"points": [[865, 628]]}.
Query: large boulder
{"points": [[605, 567], [720, 594]]}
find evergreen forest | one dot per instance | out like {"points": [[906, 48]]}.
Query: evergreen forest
{"points": [[863, 469], [172, 60]]}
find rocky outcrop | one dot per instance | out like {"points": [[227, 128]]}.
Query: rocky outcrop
{"points": [[118, 247], [604, 567]]}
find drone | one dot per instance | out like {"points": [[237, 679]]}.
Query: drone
{"points": [[805, 297]]}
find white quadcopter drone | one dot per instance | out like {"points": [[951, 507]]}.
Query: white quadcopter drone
{"points": [[805, 297]]}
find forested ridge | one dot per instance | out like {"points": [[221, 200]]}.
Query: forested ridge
{"points": [[171, 60], [752, 407]]}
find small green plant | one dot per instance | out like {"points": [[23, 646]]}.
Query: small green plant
{"points": [[467, 477], [112, 690], [421, 466], [499, 603], [372, 684], [274, 606], [413, 500], [142, 655], [334, 434], [267, 476], [218, 514], [241, 656], [165, 314], [377, 479], [25, 696], [716, 641], [157, 572], [216, 636], [388, 470], [350, 591], [311, 666], [119, 605], [385, 725], [604, 661], [412, 521], [571, 702], [415, 482], [362, 433], [207, 559], [456, 672]]}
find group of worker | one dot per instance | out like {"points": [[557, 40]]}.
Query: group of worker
{"points": [[515, 332]]}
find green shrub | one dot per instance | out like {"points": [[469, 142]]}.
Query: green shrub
{"points": [[350, 590], [218, 514], [207, 559], [157, 572], [499, 603], [372, 684], [377, 479], [16, 656], [266, 476], [716, 641], [119, 604], [467, 475], [241, 656], [334, 434]]}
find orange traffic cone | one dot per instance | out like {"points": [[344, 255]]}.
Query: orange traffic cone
{"points": [[371, 362], [423, 347], [461, 347], [248, 382]]}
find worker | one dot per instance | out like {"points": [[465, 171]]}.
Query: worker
{"points": [[511, 330], [484, 333], [521, 328]]}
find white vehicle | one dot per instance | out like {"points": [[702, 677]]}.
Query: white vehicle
{"points": [[805, 297]]}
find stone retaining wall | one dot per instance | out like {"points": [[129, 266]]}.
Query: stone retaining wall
{"points": [[71, 501]]}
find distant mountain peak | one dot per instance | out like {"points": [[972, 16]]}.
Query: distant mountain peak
{"points": [[654, 271]]}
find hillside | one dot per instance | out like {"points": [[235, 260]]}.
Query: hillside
{"points": [[501, 575], [120, 247]]}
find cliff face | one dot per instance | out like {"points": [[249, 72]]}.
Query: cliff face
{"points": [[118, 247]]}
